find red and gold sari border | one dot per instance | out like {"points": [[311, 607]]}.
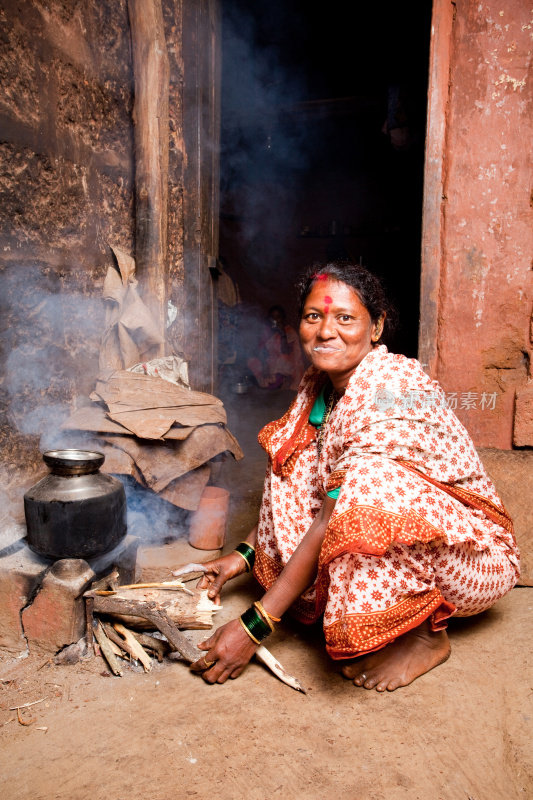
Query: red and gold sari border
{"points": [[284, 459], [356, 634], [371, 531]]}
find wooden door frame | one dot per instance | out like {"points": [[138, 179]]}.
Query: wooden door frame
{"points": [[433, 216]]}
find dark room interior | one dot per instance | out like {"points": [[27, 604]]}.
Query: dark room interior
{"points": [[322, 148]]}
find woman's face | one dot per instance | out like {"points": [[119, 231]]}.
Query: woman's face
{"points": [[336, 330]]}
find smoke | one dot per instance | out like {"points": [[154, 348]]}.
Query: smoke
{"points": [[265, 152], [49, 346], [150, 517]]}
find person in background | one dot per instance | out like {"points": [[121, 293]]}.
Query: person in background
{"points": [[279, 363], [377, 515]]}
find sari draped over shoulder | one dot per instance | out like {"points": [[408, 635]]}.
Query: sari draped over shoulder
{"points": [[408, 476]]}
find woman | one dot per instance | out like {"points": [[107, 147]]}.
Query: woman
{"points": [[281, 362], [376, 512]]}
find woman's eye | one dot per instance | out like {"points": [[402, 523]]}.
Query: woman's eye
{"points": [[311, 317], [345, 318]]}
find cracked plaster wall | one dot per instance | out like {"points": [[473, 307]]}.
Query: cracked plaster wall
{"points": [[486, 294], [66, 194]]}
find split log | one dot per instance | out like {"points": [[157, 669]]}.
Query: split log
{"points": [[191, 610], [89, 633], [107, 582], [159, 647], [116, 639], [107, 650], [134, 648]]}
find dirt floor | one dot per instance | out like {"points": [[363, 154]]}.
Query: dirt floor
{"points": [[461, 731]]}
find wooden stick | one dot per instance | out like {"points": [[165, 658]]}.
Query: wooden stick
{"points": [[134, 647], [26, 705], [107, 582], [118, 650], [114, 637], [89, 607], [106, 649], [174, 585], [265, 657], [159, 646]]}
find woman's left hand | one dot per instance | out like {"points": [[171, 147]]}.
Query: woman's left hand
{"points": [[228, 651]]}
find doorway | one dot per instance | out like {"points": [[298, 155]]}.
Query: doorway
{"points": [[322, 149]]}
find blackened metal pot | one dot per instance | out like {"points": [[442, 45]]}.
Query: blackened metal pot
{"points": [[75, 511]]}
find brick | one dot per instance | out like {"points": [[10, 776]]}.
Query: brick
{"points": [[56, 617], [21, 572], [523, 418], [512, 474]]}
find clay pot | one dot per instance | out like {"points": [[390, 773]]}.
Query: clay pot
{"points": [[207, 529]]}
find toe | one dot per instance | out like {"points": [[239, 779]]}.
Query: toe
{"points": [[349, 670]]}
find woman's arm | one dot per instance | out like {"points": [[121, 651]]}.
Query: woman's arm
{"points": [[230, 648]]}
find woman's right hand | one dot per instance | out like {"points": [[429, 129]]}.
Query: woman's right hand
{"points": [[218, 572]]}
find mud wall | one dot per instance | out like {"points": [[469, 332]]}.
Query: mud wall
{"points": [[66, 195], [481, 342]]}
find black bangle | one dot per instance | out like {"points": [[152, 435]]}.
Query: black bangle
{"points": [[248, 553], [254, 623]]}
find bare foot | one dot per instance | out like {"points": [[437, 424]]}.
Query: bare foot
{"points": [[399, 663]]}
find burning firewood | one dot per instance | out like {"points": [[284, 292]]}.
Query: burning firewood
{"points": [[133, 646], [155, 616], [160, 647], [191, 609], [124, 649], [109, 581], [107, 650]]}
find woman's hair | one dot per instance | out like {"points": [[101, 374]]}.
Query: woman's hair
{"points": [[367, 286]]}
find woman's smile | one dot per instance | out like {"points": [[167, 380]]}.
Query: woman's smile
{"points": [[336, 330]]}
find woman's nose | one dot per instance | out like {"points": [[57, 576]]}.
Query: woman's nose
{"points": [[326, 328]]}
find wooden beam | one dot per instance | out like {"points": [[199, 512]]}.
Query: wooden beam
{"points": [[433, 214], [151, 134]]}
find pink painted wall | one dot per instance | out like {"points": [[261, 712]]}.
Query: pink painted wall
{"points": [[477, 294]]}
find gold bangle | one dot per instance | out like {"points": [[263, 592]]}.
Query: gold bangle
{"points": [[269, 619], [248, 545], [263, 611], [263, 615], [252, 637], [248, 567]]}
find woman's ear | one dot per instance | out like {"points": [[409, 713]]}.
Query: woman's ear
{"points": [[377, 329]]}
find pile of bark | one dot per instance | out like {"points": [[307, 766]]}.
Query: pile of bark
{"points": [[165, 436], [142, 413]]}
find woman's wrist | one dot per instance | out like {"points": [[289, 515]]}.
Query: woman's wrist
{"points": [[247, 552], [257, 626]]}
